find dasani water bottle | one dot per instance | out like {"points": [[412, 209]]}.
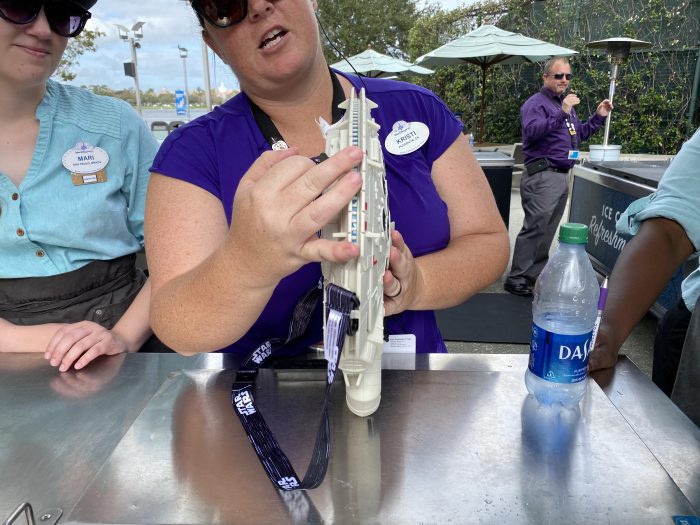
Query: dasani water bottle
{"points": [[564, 310]]}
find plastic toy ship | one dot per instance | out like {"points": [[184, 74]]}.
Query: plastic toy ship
{"points": [[365, 222]]}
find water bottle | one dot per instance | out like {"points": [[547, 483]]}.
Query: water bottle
{"points": [[471, 139], [564, 311]]}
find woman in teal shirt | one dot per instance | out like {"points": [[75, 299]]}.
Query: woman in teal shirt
{"points": [[666, 228], [73, 177]]}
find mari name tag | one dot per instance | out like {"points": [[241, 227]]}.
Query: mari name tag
{"points": [[86, 163]]}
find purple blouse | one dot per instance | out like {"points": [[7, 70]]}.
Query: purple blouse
{"points": [[215, 150]]}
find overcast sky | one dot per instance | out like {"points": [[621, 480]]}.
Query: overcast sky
{"points": [[167, 24]]}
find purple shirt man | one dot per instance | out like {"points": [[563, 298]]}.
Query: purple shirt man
{"points": [[551, 133], [546, 128]]}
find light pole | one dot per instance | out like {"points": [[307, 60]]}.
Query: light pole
{"points": [[205, 64], [183, 56], [132, 36]]}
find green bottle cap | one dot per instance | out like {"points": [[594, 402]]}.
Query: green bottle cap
{"points": [[573, 233]]}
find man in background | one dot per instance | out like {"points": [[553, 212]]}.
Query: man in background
{"points": [[551, 136]]}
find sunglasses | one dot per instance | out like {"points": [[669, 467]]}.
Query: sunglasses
{"points": [[221, 13], [65, 17], [559, 76]]}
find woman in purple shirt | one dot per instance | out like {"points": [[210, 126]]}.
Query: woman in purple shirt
{"points": [[231, 225]]}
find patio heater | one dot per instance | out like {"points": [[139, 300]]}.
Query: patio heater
{"points": [[618, 50]]}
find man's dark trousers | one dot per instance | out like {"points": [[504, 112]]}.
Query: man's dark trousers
{"points": [[543, 197]]}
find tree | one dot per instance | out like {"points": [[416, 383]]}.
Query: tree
{"points": [[352, 26], [77, 47]]}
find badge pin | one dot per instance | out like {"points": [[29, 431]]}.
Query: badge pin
{"points": [[279, 145]]}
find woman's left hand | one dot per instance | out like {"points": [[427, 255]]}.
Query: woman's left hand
{"points": [[401, 278], [77, 344]]}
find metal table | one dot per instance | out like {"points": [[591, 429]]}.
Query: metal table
{"points": [[148, 438]]}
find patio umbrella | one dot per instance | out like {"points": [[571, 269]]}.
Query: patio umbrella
{"points": [[372, 64], [487, 46]]}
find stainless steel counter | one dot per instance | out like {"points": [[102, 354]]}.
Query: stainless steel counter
{"points": [[150, 438]]}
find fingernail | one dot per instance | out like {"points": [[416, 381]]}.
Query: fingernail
{"points": [[53, 362], [355, 153]]}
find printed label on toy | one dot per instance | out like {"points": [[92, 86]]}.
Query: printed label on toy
{"points": [[559, 358], [400, 344], [406, 137]]}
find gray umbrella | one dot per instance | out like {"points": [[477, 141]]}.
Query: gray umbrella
{"points": [[372, 64], [487, 46]]}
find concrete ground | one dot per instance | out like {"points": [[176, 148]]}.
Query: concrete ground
{"points": [[638, 347]]}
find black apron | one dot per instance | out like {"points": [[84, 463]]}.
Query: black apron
{"points": [[100, 291]]}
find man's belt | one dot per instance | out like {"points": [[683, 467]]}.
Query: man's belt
{"points": [[542, 165]]}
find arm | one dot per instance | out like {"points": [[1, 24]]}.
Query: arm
{"points": [[15, 338], [537, 122], [211, 282], [76, 344], [593, 124], [477, 253], [640, 274]]}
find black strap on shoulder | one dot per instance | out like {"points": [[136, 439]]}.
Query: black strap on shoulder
{"points": [[270, 131], [279, 469]]}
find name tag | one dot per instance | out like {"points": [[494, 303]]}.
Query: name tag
{"points": [[573, 154], [400, 344], [86, 163]]}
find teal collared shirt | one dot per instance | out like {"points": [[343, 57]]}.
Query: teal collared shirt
{"points": [[677, 198], [72, 209]]}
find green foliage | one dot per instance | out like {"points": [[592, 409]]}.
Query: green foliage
{"points": [[77, 47], [352, 26], [653, 89]]}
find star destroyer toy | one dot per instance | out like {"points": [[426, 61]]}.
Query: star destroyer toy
{"points": [[366, 223]]}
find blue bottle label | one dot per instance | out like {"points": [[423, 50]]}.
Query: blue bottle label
{"points": [[559, 358]]}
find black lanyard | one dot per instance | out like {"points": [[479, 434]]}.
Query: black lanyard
{"points": [[270, 131], [570, 126], [275, 462]]}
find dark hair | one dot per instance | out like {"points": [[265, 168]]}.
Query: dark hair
{"points": [[85, 4]]}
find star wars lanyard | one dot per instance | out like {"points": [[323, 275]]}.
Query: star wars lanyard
{"points": [[339, 303], [272, 134]]}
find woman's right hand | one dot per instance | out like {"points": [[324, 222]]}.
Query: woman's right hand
{"points": [[281, 203], [604, 355]]}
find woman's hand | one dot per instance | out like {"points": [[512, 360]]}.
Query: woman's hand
{"points": [[401, 279], [604, 355], [77, 344], [280, 205]]}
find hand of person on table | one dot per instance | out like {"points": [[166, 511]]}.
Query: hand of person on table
{"points": [[79, 384], [569, 102], [77, 344], [401, 278], [604, 355], [280, 205], [604, 108]]}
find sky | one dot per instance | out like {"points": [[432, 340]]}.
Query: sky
{"points": [[168, 23]]}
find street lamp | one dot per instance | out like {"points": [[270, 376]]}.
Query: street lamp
{"points": [[205, 63], [131, 36], [183, 56]]}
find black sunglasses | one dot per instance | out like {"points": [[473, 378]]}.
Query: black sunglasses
{"points": [[65, 17], [559, 76], [221, 13]]}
